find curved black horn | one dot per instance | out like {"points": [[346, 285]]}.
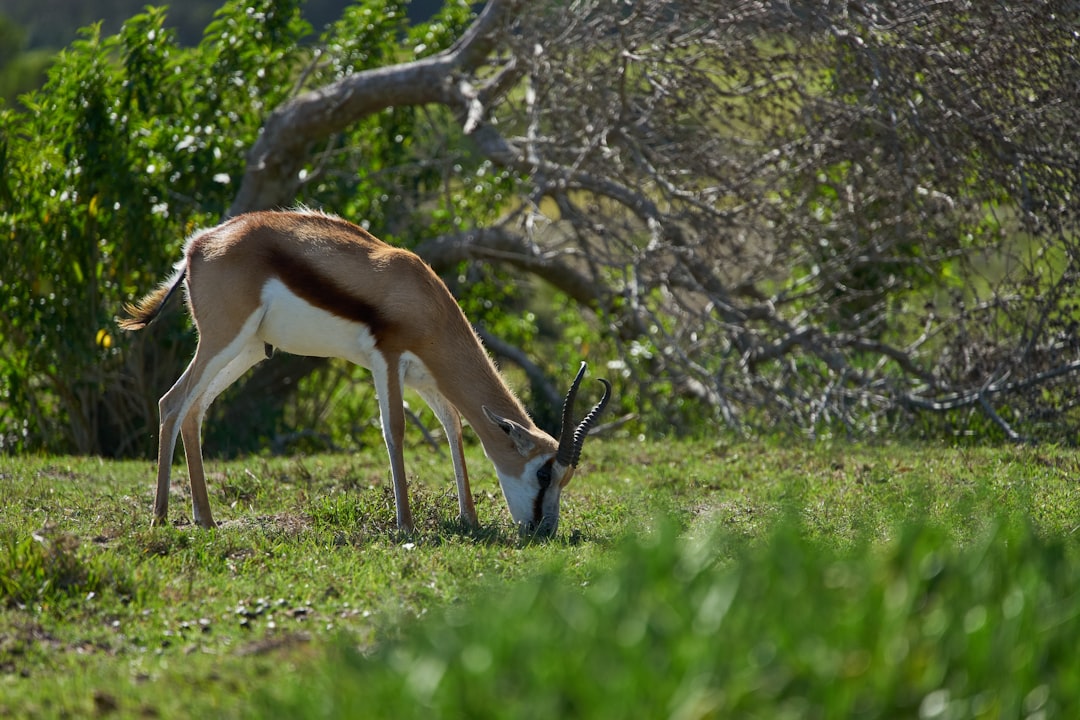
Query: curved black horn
{"points": [[583, 427], [565, 452]]}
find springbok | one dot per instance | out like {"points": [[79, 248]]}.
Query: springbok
{"points": [[309, 283]]}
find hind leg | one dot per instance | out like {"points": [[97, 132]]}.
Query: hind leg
{"points": [[172, 405], [191, 428], [211, 359]]}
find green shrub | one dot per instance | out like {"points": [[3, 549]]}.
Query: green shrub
{"points": [[123, 151]]}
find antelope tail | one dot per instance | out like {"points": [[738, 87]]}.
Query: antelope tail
{"points": [[149, 307]]}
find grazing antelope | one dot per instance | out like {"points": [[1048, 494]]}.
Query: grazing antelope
{"points": [[313, 284]]}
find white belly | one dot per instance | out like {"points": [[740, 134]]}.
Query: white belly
{"points": [[293, 325]]}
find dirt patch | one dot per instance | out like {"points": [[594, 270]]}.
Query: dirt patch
{"points": [[284, 641], [289, 524]]}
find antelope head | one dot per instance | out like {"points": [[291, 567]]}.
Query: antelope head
{"points": [[533, 495]]}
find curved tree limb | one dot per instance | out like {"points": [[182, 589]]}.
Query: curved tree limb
{"points": [[275, 160], [500, 245]]}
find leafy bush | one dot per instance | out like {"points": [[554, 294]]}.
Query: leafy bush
{"points": [[792, 627], [133, 143], [115, 160]]}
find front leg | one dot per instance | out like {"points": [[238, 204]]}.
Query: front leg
{"points": [[451, 421], [388, 384]]}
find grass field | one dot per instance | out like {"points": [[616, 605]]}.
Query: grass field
{"points": [[695, 579]]}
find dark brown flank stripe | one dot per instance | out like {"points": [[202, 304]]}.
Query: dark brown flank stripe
{"points": [[324, 293]]}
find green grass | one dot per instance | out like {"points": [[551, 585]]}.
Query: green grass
{"points": [[695, 579], [790, 628]]}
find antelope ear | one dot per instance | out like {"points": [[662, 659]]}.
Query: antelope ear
{"points": [[515, 432]]}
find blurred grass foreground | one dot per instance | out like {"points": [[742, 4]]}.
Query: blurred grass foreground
{"points": [[917, 625]]}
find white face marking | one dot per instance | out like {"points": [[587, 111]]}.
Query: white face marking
{"points": [[520, 491]]}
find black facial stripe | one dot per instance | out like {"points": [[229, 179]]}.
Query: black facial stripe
{"points": [[543, 475]]}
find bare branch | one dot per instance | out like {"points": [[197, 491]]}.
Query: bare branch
{"points": [[868, 220]]}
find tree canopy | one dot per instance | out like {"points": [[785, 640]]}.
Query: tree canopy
{"points": [[856, 217]]}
